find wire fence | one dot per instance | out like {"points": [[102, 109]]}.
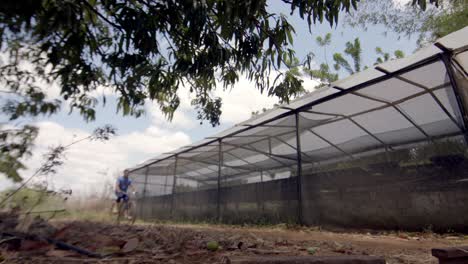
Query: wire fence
{"points": [[385, 148]]}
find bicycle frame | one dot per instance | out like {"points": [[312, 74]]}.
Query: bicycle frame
{"points": [[126, 209]]}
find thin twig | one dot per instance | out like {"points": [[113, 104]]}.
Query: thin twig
{"points": [[21, 186], [461, 249], [43, 212], [9, 92], [59, 244], [8, 239], [38, 171]]}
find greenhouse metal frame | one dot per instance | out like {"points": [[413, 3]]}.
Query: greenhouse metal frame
{"points": [[396, 118]]}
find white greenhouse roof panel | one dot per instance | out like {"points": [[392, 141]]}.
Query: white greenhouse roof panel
{"points": [[455, 40], [428, 76], [417, 57], [398, 102], [312, 97], [263, 117], [462, 59], [358, 78]]}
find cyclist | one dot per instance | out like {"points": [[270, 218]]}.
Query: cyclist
{"points": [[121, 187]]}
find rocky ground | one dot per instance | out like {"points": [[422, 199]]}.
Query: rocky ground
{"points": [[37, 241]]}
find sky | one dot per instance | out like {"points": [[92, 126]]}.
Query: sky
{"points": [[89, 166]]}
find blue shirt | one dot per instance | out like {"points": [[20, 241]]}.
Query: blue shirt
{"points": [[124, 183]]}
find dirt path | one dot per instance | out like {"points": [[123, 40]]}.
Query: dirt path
{"points": [[170, 243], [395, 247]]}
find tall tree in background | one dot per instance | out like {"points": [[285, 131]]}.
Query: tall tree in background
{"points": [[351, 65], [324, 42], [353, 50], [323, 73], [143, 50], [440, 19], [398, 54]]}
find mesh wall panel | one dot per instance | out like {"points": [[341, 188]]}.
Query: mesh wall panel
{"points": [[254, 190]]}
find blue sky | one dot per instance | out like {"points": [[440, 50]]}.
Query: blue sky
{"points": [[94, 163]]}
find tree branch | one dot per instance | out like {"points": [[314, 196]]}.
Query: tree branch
{"points": [[102, 16]]}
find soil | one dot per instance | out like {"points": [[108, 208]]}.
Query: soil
{"points": [[183, 243]]}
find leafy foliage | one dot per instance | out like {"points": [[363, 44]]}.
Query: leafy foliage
{"points": [[429, 22], [144, 50], [385, 56], [14, 144], [35, 197], [124, 45], [323, 74], [103, 133], [325, 41], [87, 44], [354, 51], [454, 17]]}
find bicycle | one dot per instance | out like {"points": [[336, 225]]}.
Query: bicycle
{"points": [[126, 210]]}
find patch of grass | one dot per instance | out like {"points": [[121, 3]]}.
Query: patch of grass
{"points": [[92, 209], [74, 214], [32, 200], [429, 230]]}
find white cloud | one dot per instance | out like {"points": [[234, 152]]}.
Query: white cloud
{"points": [[238, 104], [86, 161], [180, 120], [403, 2], [154, 140], [240, 101]]}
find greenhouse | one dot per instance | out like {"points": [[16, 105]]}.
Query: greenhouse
{"points": [[383, 148]]}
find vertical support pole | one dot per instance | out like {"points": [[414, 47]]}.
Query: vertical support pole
{"points": [[269, 145], [174, 183], [220, 162], [258, 192], [146, 182], [263, 192], [142, 200], [165, 196], [299, 171], [200, 201], [456, 90], [165, 184]]}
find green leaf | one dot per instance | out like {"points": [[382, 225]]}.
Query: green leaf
{"points": [[290, 38]]}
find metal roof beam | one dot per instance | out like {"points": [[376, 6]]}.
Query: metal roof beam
{"points": [[272, 156], [439, 103], [417, 65]]}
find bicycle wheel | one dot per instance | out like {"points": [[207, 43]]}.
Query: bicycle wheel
{"points": [[132, 212], [120, 211]]}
